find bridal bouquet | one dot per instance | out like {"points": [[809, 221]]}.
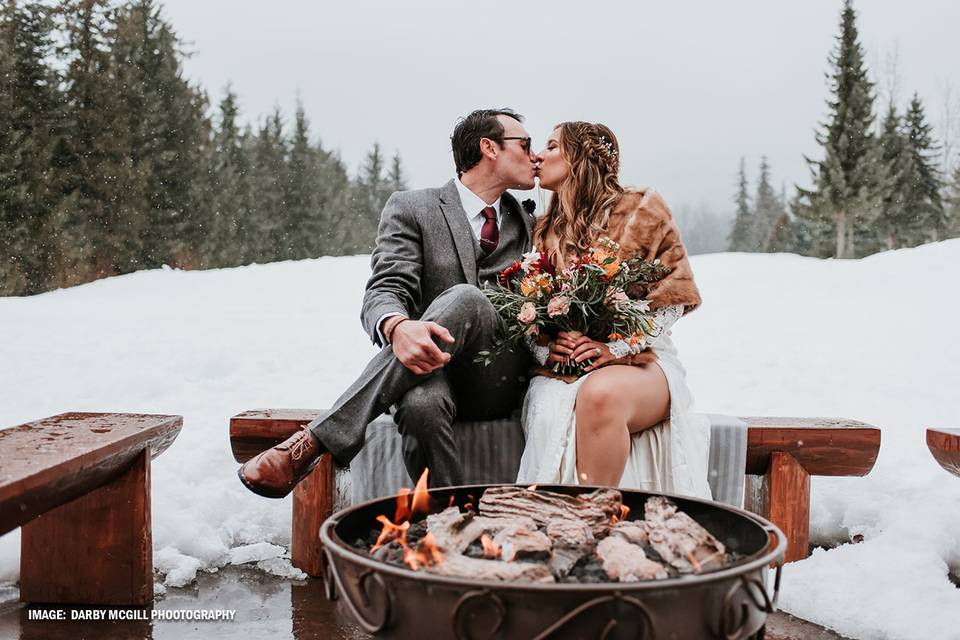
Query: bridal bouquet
{"points": [[598, 295]]}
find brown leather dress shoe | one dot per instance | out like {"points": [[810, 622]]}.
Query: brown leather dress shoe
{"points": [[275, 472]]}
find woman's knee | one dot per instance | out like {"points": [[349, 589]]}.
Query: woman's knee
{"points": [[596, 398]]}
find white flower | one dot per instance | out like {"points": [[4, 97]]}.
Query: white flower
{"points": [[529, 259]]}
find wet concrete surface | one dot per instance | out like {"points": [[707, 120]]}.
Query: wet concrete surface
{"points": [[266, 608]]}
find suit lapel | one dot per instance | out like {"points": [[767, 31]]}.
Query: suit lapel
{"points": [[510, 206], [460, 229]]}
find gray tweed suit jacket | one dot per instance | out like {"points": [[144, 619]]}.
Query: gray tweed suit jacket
{"points": [[425, 246]]}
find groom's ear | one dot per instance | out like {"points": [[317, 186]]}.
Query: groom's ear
{"points": [[489, 148]]}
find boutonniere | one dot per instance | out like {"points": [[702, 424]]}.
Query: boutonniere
{"points": [[529, 206]]}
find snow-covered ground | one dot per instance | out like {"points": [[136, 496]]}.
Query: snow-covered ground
{"points": [[873, 339]]}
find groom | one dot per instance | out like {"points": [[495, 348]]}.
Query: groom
{"points": [[422, 305]]}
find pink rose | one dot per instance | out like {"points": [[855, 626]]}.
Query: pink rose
{"points": [[558, 306], [528, 313]]}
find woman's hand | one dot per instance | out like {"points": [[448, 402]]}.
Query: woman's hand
{"points": [[596, 352], [578, 347]]}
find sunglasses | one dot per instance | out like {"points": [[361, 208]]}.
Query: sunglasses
{"points": [[525, 143]]}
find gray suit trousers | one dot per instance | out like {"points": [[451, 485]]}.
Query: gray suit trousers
{"points": [[427, 405]]}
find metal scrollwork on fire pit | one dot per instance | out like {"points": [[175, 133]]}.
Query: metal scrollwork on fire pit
{"points": [[646, 631], [734, 619], [470, 600], [334, 585]]}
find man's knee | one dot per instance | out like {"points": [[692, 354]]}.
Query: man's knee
{"points": [[467, 296], [423, 408]]}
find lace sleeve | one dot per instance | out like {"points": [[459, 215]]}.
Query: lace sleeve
{"points": [[663, 318], [540, 352]]}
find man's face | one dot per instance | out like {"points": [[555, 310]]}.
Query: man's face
{"points": [[516, 161]]}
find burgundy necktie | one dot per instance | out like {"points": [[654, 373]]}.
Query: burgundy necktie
{"points": [[489, 233]]}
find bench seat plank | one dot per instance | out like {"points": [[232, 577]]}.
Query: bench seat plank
{"points": [[944, 444], [50, 462], [822, 446]]}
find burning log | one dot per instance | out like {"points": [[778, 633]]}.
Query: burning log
{"points": [[678, 538], [632, 531], [572, 540], [521, 543], [596, 509], [455, 530], [460, 566], [627, 562]]}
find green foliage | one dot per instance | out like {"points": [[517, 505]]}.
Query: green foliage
{"points": [[846, 188], [110, 162]]}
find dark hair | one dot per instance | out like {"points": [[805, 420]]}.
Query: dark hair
{"points": [[465, 140]]}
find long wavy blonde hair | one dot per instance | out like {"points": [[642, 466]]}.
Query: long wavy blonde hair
{"points": [[578, 211]]}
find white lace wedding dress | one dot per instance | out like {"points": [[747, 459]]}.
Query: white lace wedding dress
{"points": [[670, 457]]}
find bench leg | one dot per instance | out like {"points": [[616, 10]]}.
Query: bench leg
{"points": [[312, 504], [782, 496], [97, 549]]}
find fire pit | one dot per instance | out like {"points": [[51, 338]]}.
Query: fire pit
{"points": [[729, 602]]}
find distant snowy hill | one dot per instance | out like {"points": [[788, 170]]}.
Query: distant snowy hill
{"points": [[873, 339]]}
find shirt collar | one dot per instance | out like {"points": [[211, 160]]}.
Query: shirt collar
{"points": [[473, 204]]}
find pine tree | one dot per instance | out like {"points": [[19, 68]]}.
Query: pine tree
{"points": [[230, 197], [952, 203], [167, 130], [101, 216], [335, 197], [783, 235], [742, 234], [302, 192], [767, 209], [396, 181], [895, 223], [369, 194], [267, 238], [924, 203], [29, 131], [845, 182]]}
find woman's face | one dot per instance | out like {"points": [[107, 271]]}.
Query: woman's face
{"points": [[554, 167]]}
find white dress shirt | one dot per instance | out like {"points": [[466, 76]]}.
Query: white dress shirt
{"points": [[473, 205]]}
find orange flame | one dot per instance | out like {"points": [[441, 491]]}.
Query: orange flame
{"points": [[490, 548], [421, 496], [391, 532], [427, 553], [624, 511], [402, 513], [532, 487]]}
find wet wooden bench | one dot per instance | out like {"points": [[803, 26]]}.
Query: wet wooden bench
{"points": [[78, 485], [944, 445], [782, 454]]}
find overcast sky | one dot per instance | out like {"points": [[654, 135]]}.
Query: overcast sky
{"points": [[688, 87]]}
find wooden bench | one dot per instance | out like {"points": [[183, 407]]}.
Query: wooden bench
{"points": [[79, 486], [944, 444], [782, 454]]}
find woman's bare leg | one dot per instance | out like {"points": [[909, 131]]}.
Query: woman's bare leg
{"points": [[613, 403]]}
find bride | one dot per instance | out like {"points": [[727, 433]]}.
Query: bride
{"points": [[627, 422]]}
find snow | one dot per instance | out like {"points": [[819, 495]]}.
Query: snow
{"points": [[872, 339]]}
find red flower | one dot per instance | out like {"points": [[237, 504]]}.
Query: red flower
{"points": [[544, 264], [504, 277]]}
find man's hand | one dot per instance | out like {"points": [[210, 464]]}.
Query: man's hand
{"points": [[413, 345]]}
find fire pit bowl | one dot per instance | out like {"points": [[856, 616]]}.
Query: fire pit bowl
{"points": [[388, 601]]}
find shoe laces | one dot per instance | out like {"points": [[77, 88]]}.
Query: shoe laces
{"points": [[301, 446]]}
